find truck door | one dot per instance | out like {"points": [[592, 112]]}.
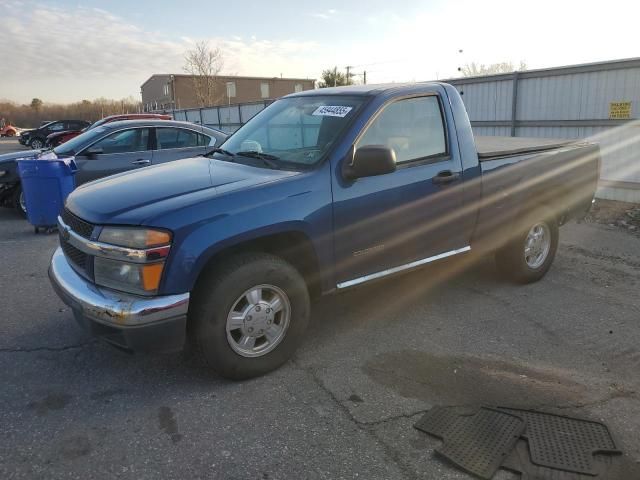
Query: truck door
{"points": [[389, 222]]}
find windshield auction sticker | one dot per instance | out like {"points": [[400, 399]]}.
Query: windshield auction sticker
{"points": [[332, 111]]}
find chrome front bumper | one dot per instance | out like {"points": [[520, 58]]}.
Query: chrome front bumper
{"points": [[128, 321]]}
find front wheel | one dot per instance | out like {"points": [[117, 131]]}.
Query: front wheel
{"points": [[36, 143], [249, 315], [528, 257]]}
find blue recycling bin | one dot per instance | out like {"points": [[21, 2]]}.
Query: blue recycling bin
{"points": [[46, 185]]}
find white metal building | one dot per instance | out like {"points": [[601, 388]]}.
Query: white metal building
{"points": [[598, 101]]}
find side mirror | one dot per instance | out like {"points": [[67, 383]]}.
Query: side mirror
{"points": [[371, 160], [91, 152]]}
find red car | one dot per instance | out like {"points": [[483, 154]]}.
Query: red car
{"points": [[8, 131], [57, 138]]}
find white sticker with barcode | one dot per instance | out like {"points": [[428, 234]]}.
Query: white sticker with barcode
{"points": [[332, 111]]}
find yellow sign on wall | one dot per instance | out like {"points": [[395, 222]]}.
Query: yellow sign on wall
{"points": [[620, 110]]}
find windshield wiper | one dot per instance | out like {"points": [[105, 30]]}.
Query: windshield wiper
{"points": [[219, 150], [266, 158]]}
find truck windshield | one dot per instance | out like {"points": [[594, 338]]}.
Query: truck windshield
{"points": [[296, 131]]}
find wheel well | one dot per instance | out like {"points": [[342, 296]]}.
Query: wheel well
{"points": [[7, 193], [293, 247]]}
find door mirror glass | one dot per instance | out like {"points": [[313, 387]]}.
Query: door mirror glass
{"points": [[92, 151], [371, 160]]}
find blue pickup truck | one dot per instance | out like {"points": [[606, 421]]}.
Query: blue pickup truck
{"points": [[322, 191]]}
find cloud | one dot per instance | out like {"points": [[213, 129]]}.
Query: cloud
{"points": [[326, 15], [87, 42], [75, 53]]}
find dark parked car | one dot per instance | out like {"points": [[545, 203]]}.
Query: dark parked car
{"points": [[58, 138], [36, 138], [116, 147]]}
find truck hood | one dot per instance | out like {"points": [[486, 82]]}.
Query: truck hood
{"points": [[134, 198]]}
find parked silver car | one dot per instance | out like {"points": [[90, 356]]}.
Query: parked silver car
{"points": [[116, 147]]}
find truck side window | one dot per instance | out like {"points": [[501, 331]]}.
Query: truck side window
{"points": [[412, 127]]}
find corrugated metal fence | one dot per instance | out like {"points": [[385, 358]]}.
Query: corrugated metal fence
{"points": [[599, 101], [226, 118]]}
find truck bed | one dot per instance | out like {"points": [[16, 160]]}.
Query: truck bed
{"points": [[495, 147]]}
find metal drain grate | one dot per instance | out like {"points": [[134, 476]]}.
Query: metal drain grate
{"points": [[477, 443], [564, 443]]}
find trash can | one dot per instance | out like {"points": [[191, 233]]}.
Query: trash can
{"points": [[46, 183]]}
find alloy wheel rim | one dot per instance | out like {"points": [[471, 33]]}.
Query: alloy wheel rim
{"points": [[22, 202], [258, 320], [537, 245]]}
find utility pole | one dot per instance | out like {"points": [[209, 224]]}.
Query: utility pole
{"points": [[350, 75], [173, 92], [460, 51]]}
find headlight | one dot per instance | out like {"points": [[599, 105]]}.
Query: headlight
{"points": [[141, 276], [134, 237], [129, 277]]}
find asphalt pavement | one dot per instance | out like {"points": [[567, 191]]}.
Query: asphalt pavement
{"points": [[373, 361], [10, 144]]}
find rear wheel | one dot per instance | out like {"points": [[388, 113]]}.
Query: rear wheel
{"points": [[19, 202], [528, 257], [249, 315], [36, 143]]}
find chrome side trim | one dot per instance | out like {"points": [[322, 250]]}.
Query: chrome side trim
{"points": [[100, 249], [401, 268], [108, 306]]}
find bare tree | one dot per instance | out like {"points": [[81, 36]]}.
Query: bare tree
{"points": [[30, 114], [475, 69], [36, 104], [204, 64]]}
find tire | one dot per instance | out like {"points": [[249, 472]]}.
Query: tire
{"points": [[528, 257], [36, 143], [18, 202], [218, 337]]}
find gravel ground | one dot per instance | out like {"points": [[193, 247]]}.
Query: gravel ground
{"points": [[374, 359], [616, 214]]}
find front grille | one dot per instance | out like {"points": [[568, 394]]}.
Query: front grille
{"points": [[82, 228], [77, 257]]}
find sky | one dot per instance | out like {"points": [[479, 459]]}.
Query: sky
{"points": [[65, 50]]}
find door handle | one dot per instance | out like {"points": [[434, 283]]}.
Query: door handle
{"points": [[141, 162], [444, 177]]}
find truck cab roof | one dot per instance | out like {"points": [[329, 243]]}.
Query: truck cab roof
{"points": [[366, 90]]}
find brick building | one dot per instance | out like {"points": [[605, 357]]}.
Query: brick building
{"points": [[164, 92]]}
